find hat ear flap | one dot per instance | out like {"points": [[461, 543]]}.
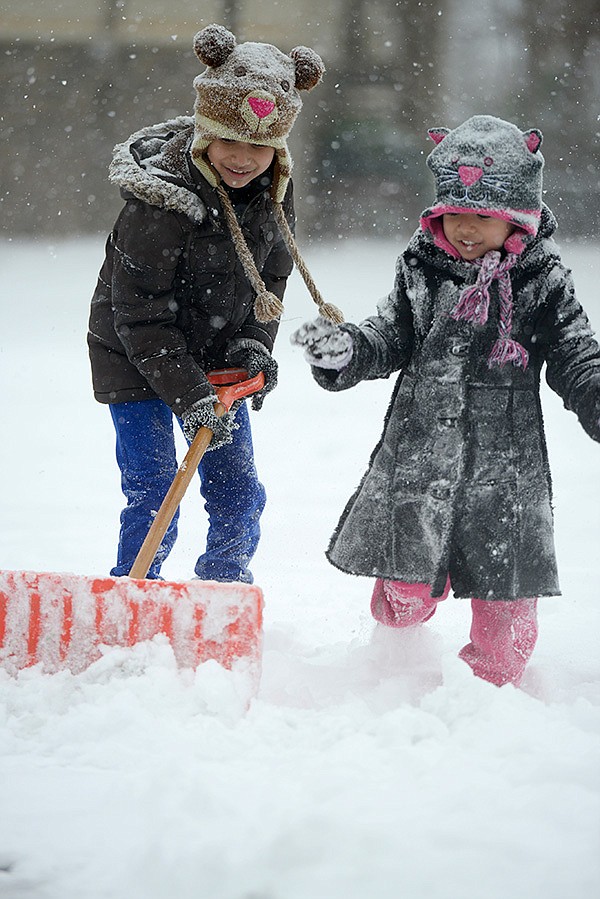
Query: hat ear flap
{"points": [[309, 68], [214, 45], [533, 139], [437, 135]]}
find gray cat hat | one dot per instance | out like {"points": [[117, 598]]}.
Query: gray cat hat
{"points": [[489, 167]]}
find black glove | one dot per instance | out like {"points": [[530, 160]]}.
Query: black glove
{"points": [[202, 415], [325, 344], [254, 357]]}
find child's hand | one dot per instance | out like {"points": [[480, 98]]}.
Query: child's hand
{"points": [[325, 345], [254, 357], [202, 415]]}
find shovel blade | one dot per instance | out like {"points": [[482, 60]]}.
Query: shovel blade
{"points": [[61, 621]]}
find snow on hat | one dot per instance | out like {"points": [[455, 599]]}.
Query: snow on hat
{"points": [[489, 167], [250, 92]]}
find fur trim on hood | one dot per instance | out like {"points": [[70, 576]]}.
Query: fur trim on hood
{"points": [[152, 165]]}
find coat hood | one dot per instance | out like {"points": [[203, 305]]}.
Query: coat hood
{"points": [[153, 165]]}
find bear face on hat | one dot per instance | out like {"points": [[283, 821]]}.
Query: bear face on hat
{"points": [[249, 92]]}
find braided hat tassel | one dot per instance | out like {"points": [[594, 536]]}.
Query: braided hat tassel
{"points": [[327, 310], [267, 306], [473, 306], [505, 348]]}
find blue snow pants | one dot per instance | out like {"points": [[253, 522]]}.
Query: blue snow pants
{"points": [[234, 497]]}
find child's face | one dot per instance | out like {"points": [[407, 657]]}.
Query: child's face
{"points": [[473, 235], [238, 163]]}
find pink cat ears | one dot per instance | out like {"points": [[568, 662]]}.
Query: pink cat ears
{"points": [[533, 137]]}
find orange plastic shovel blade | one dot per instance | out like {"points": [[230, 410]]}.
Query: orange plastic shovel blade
{"points": [[61, 620]]}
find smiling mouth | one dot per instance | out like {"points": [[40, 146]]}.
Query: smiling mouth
{"points": [[236, 172]]}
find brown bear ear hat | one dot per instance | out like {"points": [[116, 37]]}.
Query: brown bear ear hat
{"points": [[250, 92]]}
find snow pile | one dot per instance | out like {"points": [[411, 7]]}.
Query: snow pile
{"points": [[371, 762]]}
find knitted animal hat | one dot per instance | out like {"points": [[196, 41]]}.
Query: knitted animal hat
{"points": [[250, 92], [489, 167]]}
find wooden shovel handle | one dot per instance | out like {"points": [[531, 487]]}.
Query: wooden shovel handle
{"points": [[227, 395]]}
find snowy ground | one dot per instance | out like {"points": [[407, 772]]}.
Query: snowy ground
{"points": [[369, 763]]}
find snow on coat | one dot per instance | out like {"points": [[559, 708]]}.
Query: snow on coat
{"points": [[459, 483], [172, 292]]}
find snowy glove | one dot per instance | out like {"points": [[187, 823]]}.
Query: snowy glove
{"points": [[325, 345], [254, 357], [202, 415]]}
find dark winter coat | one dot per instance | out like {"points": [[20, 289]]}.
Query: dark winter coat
{"points": [[459, 482], [172, 292]]}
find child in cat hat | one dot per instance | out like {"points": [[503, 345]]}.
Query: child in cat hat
{"points": [[193, 280], [457, 494]]}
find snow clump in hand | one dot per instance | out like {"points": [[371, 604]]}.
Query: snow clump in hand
{"points": [[325, 345]]}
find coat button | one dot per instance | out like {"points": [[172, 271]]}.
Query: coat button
{"points": [[440, 489]]}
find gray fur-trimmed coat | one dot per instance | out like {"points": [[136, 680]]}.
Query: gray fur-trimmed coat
{"points": [[172, 293], [459, 482]]}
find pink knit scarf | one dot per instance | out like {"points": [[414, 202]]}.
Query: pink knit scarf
{"points": [[473, 305]]}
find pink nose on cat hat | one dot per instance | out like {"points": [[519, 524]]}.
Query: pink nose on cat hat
{"points": [[489, 167]]}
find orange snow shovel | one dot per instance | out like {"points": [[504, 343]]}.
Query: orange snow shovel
{"points": [[61, 620]]}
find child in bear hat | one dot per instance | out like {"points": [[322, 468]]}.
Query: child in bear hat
{"points": [[458, 494], [193, 280]]}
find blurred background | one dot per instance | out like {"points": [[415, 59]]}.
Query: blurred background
{"points": [[79, 76]]}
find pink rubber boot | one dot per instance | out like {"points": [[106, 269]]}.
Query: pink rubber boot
{"points": [[503, 636], [398, 604]]}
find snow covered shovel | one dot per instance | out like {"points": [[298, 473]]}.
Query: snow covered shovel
{"points": [[232, 384], [61, 620]]}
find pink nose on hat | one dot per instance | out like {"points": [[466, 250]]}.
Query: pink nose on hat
{"points": [[469, 174], [260, 106]]}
